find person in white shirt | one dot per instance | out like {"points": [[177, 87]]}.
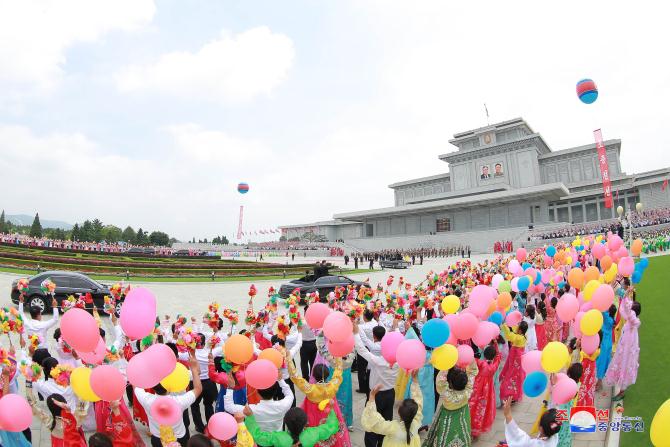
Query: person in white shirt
{"points": [[269, 413], [35, 325], [383, 377], [515, 437], [308, 349], [184, 400], [366, 330], [209, 390]]}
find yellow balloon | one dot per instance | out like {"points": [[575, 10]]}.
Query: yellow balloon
{"points": [[444, 357], [177, 381], [591, 322], [590, 287], [568, 260], [554, 356], [660, 426], [451, 304], [80, 381], [610, 274]]}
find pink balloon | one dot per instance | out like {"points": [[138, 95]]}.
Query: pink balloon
{"points": [[80, 330], [614, 242], [513, 318], [493, 329], [480, 300], [465, 355], [626, 266], [97, 355], [590, 343], [515, 284], [222, 426], [587, 306], [411, 354], [497, 278], [598, 250], [564, 390], [567, 307], [622, 251], [390, 344], [15, 413], [316, 314], [521, 254], [575, 326], [531, 361], [138, 313], [465, 326], [513, 266], [165, 411], [603, 297], [342, 348], [337, 327], [261, 374], [546, 260], [108, 383], [148, 368], [483, 335]]}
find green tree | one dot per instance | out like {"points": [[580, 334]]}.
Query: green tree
{"points": [[75, 234], [112, 234], [159, 238], [224, 240], [129, 235], [3, 224], [141, 237], [282, 238], [97, 235], [36, 227], [87, 231]]}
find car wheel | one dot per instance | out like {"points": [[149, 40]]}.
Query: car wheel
{"points": [[37, 301]]}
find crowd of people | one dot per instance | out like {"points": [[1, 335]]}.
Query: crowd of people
{"points": [[99, 247], [409, 254], [449, 397], [503, 247]]}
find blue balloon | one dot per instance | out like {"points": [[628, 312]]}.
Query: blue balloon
{"points": [[496, 317], [550, 251], [538, 278], [523, 283], [644, 263], [636, 277], [435, 332], [526, 265], [535, 384], [561, 284], [578, 264]]}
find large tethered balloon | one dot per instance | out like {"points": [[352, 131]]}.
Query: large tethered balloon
{"points": [[242, 188]]}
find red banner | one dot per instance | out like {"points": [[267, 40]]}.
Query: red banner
{"points": [[604, 168]]}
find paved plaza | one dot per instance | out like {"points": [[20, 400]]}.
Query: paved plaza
{"points": [[191, 299]]}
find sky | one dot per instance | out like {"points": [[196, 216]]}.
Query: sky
{"points": [[149, 112]]}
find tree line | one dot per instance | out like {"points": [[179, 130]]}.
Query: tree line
{"points": [[89, 231]]}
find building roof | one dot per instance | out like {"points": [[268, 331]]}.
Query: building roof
{"points": [[553, 190], [419, 180], [322, 223], [514, 122], [587, 147]]}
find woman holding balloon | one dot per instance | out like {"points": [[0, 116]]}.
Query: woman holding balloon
{"points": [[513, 374], [622, 372]]}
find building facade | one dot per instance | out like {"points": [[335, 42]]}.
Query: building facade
{"points": [[501, 176]]}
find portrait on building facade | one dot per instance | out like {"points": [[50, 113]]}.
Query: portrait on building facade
{"points": [[498, 170], [486, 174]]}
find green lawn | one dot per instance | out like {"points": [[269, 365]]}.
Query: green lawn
{"points": [[653, 381]]}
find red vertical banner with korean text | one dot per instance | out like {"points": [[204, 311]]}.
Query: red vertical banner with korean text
{"points": [[604, 168]]}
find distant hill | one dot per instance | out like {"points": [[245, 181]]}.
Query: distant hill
{"points": [[24, 219]]}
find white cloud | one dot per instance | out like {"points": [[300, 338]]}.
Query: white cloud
{"points": [[231, 68], [35, 35]]}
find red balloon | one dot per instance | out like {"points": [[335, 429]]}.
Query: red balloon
{"points": [[108, 383], [316, 314], [261, 374], [342, 348], [337, 327], [80, 330]]}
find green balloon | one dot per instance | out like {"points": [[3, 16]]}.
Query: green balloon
{"points": [[504, 286]]}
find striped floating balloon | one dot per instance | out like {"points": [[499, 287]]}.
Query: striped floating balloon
{"points": [[242, 188], [587, 91]]}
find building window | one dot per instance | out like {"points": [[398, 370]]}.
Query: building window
{"points": [[591, 212], [577, 214], [562, 214], [443, 225], [369, 230]]}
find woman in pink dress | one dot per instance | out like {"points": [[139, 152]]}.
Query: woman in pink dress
{"points": [[483, 399], [622, 372], [552, 326], [513, 375], [540, 318]]}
